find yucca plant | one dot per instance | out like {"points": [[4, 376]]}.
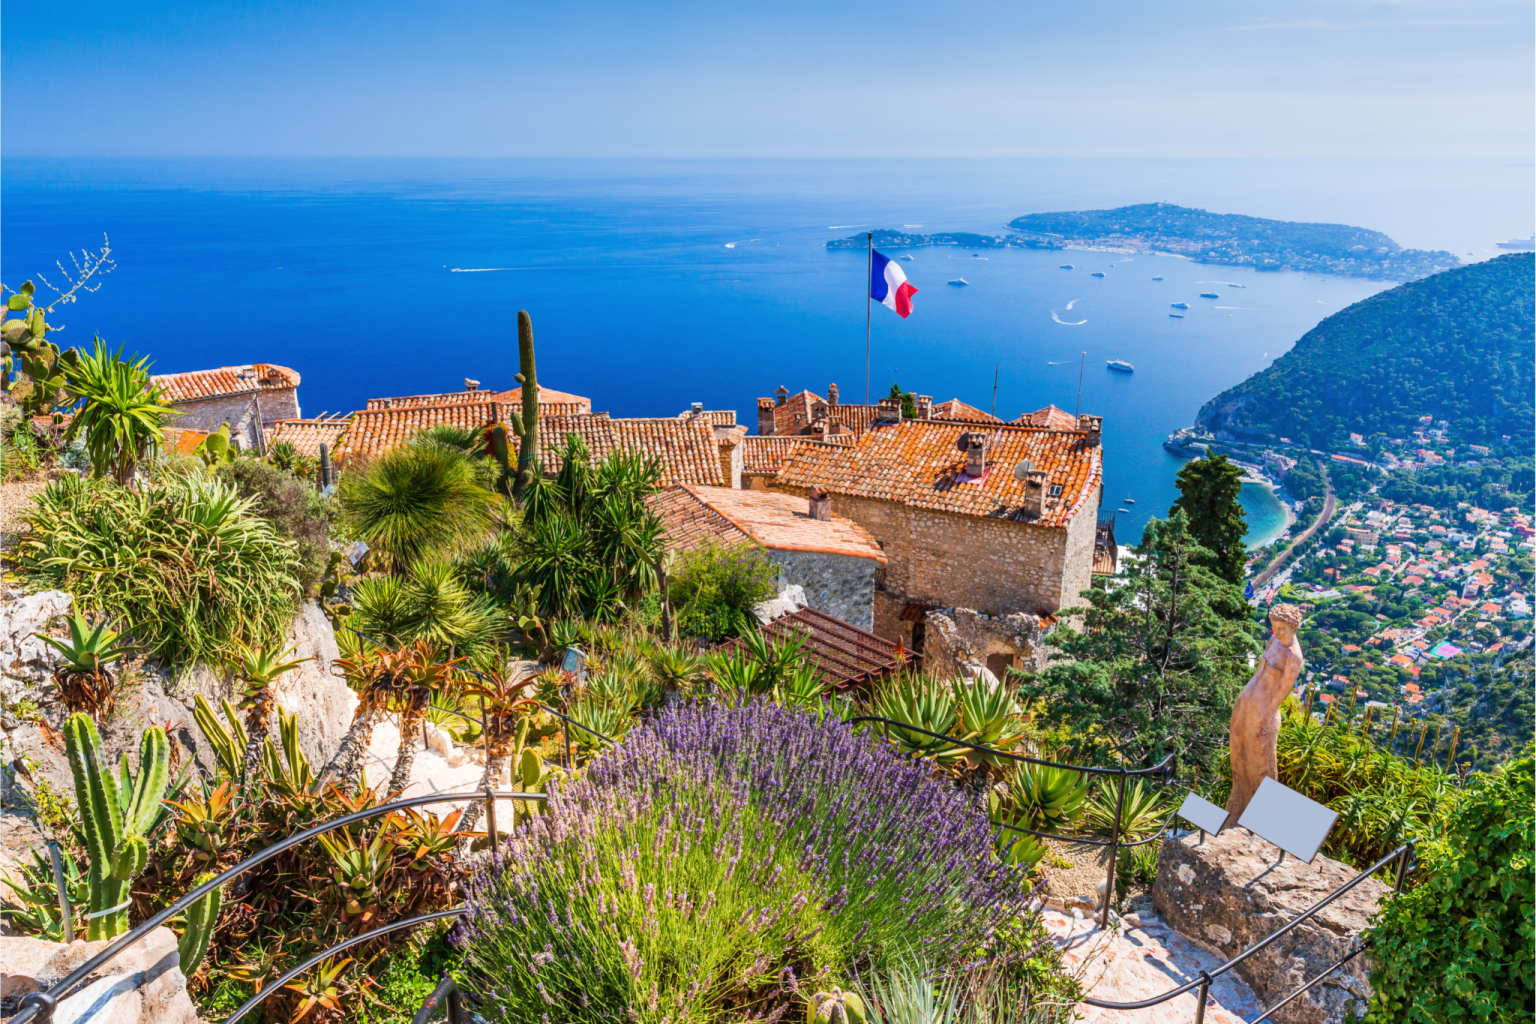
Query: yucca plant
{"points": [[415, 502], [121, 412], [84, 678]]}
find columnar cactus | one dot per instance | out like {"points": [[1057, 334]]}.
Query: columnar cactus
{"points": [[526, 426], [118, 812], [202, 916], [835, 1007]]}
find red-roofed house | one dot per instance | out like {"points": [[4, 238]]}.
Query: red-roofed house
{"points": [[251, 399], [833, 558], [996, 517]]}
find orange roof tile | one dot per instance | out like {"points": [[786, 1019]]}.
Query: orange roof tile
{"points": [[688, 523], [375, 431], [954, 409], [783, 522], [801, 410], [1051, 418], [916, 463], [307, 436], [551, 402], [195, 385], [717, 417], [766, 454], [687, 450]]}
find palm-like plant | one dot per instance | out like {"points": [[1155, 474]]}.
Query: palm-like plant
{"points": [[84, 677], [258, 668], [121, 414], [407, 690], [417, 501], [508, 711], [430, 602]]}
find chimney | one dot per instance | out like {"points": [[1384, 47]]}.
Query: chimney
{"points": [[471, 385], [1034, 493], [781, 396], [975, 447], [765, 424], [925, 407], [821, 504], [1093, 426], [831, 394], [888, 410], [697, 408]]}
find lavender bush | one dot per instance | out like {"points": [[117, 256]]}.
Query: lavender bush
{"points": [[718, 854]]}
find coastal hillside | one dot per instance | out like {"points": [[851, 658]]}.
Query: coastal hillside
{"points": [[1234, 239], [888, 239], [1456, 346]]}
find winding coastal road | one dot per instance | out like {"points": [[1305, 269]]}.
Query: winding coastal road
{"points": [[1279, 563]]}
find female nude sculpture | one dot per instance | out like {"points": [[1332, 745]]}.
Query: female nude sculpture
{"points": [[1256, 713]]}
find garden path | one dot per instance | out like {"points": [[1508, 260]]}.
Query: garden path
{"points": [[430, 773], [1140, 959]]}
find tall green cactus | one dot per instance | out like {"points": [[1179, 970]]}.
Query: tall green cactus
{"points": [[202, 916], [526, 426], [118, 811]]}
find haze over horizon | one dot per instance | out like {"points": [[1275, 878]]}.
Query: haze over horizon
{"points": [[685, 79]]}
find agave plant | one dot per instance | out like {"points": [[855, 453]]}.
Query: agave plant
{"points": [[600, 720], [914, 699], [1014, 846], [986, 715], [84, 677], [676, 670], [1047, 799], [1141, 818]]}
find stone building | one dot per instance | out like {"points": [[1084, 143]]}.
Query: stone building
{"points": [[551, 402], [833, 558], [995, 517], [762, 457], [251, 399]]}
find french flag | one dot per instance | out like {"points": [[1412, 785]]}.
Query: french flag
{"points": [[889, 286]]}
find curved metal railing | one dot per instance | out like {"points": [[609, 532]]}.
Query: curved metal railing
{"points": [[1167, 768], [40, 1006]]}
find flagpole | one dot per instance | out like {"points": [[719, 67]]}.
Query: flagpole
{"points": [[869, 277]]}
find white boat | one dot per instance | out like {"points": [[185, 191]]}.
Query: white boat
{"points": [[907, 258], [1209, 295], [959, 282], [1180, 305], [1177, 316], [1120, 366], [1157, 279], [1067, 266], [1130, 501], [1098, 273], [1125, 510]]}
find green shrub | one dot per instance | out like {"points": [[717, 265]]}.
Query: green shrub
{"points": [[293, 507], [187, 567], [1459, 947], [715, 587]]}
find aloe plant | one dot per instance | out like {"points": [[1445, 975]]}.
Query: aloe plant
{"points": [[1143, 814], [228, 741], [987, 715], [85, 678], [258, 668], [118, 813], [1050, 799]]}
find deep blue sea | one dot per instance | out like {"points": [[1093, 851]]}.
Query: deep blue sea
{"points": [[653, 284]]}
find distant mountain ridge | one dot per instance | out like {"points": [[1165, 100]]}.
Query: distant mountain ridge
{"points": [[1457, 345], [888, 239], [1238, 240]]}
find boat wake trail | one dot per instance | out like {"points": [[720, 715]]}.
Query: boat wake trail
{"points": [[1073, 303], [482, 270], [1067, 323]]}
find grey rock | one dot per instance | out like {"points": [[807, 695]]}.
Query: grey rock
{"points": [[321, 699], [142, 985], [26, 663], [789, 600], [1230, 891]]}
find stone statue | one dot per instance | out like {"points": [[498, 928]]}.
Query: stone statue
{"points": [[1256, 713]]}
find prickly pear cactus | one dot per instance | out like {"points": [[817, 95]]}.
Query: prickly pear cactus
{"points": [[835, 1007]]}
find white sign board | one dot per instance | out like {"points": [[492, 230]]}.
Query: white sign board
{"points": [[575, 661], [1289, 820], [1202, 814]]}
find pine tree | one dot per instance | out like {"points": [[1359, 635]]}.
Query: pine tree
{"points": [[1158, 664], [908, 401], [1209, 490]]}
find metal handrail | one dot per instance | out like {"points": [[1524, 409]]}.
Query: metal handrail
{"points": [[1164, 767], [1203, 982], [257, 999], [40, 1005], [447, 994]]}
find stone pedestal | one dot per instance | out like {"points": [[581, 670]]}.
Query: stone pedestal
{"points": [[1230, 891]]}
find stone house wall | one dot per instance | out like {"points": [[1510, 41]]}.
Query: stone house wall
{"points": [[963, 643], [731, 464], [994, 565], [842, 586], [239, 411]]}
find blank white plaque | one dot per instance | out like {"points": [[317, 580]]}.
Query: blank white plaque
{"points": [[1289, 820], [1201, 813]]}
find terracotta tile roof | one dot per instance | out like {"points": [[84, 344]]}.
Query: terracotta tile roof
{"points": [[857, 418], [917, 463], [717, 417], [1051, 418], [375, 431], [954, 409], [687, 450], [308, 435], [783, 522], [551, 402], [766, 454], [846, 655], [687, 522], [183, 442], [196, 385]]}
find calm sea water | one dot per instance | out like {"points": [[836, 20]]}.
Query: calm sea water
{"points": [[654, 284]]}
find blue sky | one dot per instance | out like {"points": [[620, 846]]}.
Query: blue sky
{"points": [[790, 78]]}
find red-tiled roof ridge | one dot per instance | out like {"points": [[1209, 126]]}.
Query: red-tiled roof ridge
{"points": [[548, 397], [686, 521], [1051, 418], [195, 385], [375, 431], [783, 522], [954, 409], [686, 449], [306, 436]]}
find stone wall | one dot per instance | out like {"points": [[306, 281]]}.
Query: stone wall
{"points": [[997, 566], [963, 643], [239, 411], [842, 586]]}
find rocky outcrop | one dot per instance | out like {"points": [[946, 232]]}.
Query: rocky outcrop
{"points": [[142, 985], [322, 700], [26, 663], [788, 601], [967, 644], [1229, 891]]}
